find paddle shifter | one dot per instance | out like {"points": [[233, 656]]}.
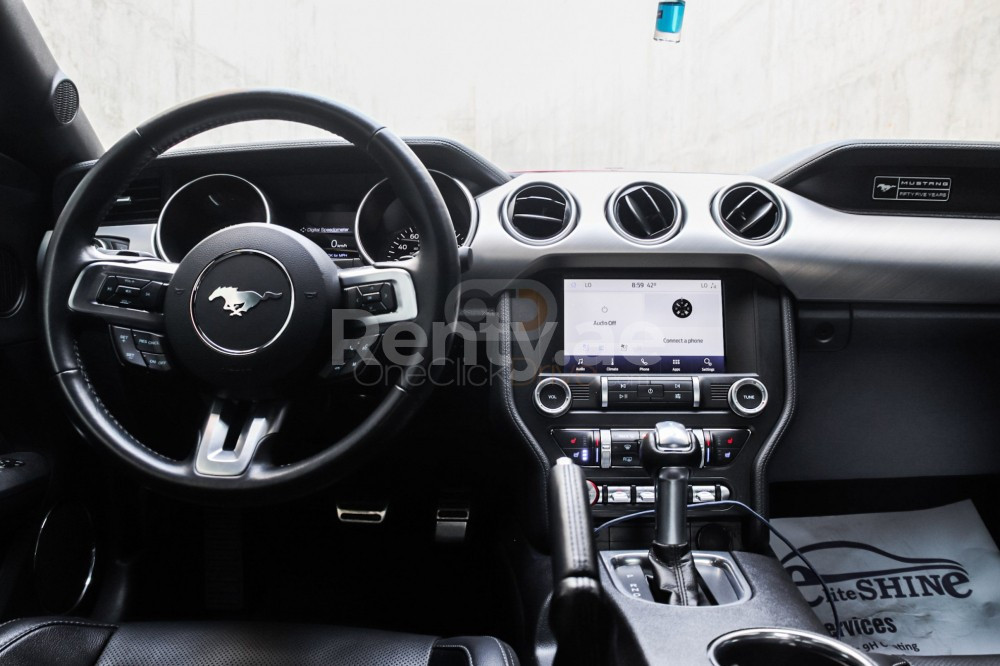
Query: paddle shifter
{"points": [[667, 454]]}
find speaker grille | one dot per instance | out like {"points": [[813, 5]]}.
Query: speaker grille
{"points": [[65, 101], [720, 391], [11, 283]]}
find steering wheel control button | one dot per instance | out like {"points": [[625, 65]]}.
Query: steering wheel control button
{"points": [[148, 342], [156, 362], [108, 288], [748, 397], [151, 296], [374, 298], [242, 302], [125, 346], [553, 397]]}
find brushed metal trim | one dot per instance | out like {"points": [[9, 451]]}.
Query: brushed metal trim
{"points": [[473, 212], [534, 242], [157, 241], [613, 220]]}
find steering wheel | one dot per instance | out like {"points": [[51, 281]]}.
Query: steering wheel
{"points": [[246, 310]]}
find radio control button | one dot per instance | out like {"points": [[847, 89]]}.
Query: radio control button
{"points": [[747, 397], [553, 397], [678, 397], [621, 397], [674, 385]]}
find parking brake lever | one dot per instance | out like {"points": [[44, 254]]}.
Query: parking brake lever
{"points": [[667, 454]]}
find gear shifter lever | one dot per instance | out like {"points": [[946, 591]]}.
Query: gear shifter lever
{"points": [[667, 454]]}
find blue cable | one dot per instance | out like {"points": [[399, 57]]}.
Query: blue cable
{"points": [[740, 505]]}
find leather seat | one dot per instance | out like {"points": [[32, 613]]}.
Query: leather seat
{"points": [[78, 642]]}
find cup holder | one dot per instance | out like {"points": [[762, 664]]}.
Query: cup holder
{"points": [[781, 647]]}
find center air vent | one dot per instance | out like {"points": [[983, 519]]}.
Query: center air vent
{"points": [[645, 213], [750, 214], [539, 214], [140, 202]]}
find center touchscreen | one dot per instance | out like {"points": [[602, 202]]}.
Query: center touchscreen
{"points": [[643, 326]]}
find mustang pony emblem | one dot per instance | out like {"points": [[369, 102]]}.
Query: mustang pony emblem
{"points": [[238, 302], [882, 187]]}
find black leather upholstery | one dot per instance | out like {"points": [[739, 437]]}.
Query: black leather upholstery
{"points": [[73, 642]]}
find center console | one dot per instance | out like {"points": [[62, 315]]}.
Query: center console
{"points": [[629, 349]]}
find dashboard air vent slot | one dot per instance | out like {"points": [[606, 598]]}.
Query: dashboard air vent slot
{"points": [[140, 202], [539, 214], [719, 391], [12, 281], [580, 391], [644, 213], [750, 214]]}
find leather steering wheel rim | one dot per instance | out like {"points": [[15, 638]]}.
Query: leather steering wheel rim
{"points": [[435, 274]]}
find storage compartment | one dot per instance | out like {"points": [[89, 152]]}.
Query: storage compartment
{"points": [[781, 647]]}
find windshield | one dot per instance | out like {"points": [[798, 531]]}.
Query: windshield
{"points": [[556, 85]]}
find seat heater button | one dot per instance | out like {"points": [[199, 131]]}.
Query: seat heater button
{"points": [[619, 494], [157, 362], [574, 439], [148, 342]]}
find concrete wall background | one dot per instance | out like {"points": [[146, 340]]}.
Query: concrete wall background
{"points": [[540, 84]]}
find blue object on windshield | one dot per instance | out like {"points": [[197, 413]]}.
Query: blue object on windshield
{"points": [[669, 20]]}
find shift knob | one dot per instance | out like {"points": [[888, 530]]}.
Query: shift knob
{"points": [[670, 445]]}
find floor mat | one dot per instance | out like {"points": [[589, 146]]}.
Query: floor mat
{"points": [[910, 583]]}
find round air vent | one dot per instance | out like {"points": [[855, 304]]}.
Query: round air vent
{"points": [[539, 214], [750, 214], [645, 213]]}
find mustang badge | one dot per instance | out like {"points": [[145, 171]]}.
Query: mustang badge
{"points": [[238, 302], [882, 187]]}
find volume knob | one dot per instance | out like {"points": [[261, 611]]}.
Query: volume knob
{"points": [[748, 397], [553, 397]]}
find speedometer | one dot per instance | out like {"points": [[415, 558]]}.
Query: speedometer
{"points": [[404, 245], [385, 231]]}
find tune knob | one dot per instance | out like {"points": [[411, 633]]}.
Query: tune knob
{"points": [[748, 397], [553, 397]]}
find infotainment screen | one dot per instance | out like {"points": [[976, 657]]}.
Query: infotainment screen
{"points": [[640, 326]]}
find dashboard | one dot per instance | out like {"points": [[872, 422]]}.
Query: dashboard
{"points": [[379, 230], [667, 296]]}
